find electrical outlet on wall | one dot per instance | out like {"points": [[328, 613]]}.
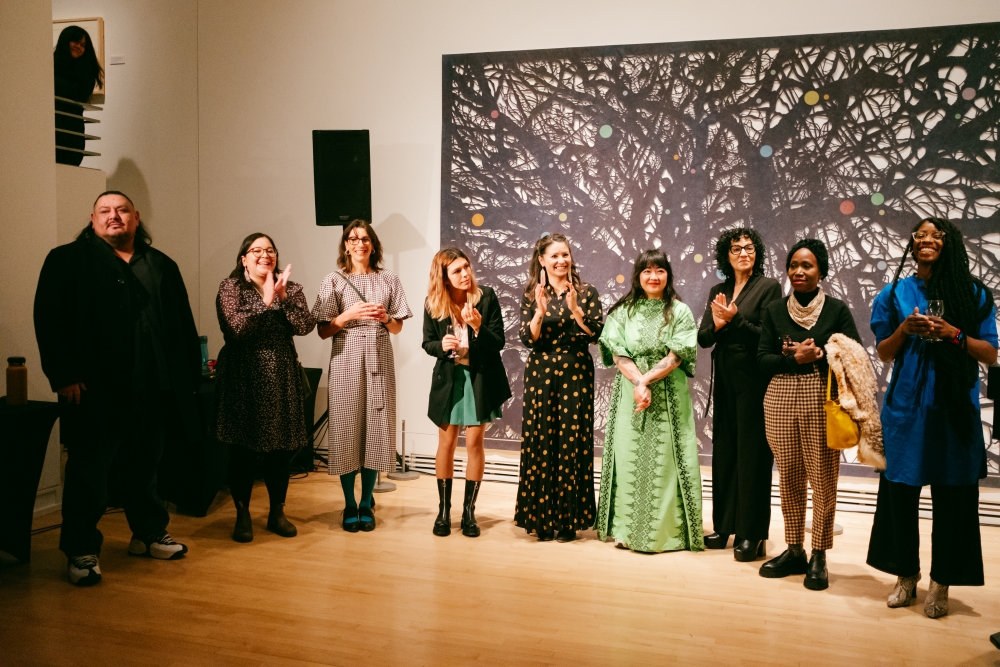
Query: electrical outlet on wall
{"points": [[116, 60]]}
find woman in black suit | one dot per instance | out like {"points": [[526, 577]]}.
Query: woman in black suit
{"points": [[463, 328], [741, 458]]}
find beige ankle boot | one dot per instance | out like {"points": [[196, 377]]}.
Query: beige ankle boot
{"points": [[936, 604], [904, 593]]}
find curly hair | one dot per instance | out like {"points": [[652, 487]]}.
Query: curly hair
{"points": [[817, 248], [968, 301], [725, 241], [646, 259]]}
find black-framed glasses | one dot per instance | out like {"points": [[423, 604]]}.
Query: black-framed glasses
{"points": [[358, 240], [257, 252], [937, 235], [737, 250]]}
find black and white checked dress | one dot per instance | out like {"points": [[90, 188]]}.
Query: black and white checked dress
{"points": [[362, 380]]}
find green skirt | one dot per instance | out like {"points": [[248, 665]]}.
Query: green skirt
{"points": [[463, 403]]}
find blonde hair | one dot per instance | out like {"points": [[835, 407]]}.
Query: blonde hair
{"points": [[439, 302]]}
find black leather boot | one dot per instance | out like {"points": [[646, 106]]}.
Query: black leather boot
{"points": [[716, 541], [278, 524], [469, 526], [747, 551], [243, 531], [442, 524], [817, 578], [791, 561]]}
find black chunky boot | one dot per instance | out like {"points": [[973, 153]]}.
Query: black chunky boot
{"points": [[278, 524], [243, 532], [747, 551], [791, 561], [817, 578], [442, 524], [469, 526], [717, 541]]}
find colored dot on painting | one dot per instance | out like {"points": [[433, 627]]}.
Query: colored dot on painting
{"points": [[958, 116], [766, 151], [969, 94], [758, 100], [694, 171], [698, 259], [899, 80], [881, 212], [619, 279], [882, 265], [667, 211], [773, 72], [720, 275], [544, 234], [677, 157], [562, 217], [826, 97], [478, 219], [812, 97], [605, 131], [494, 114], [878, 198], [847, 207]]}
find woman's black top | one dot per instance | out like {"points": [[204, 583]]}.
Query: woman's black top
{"points": [[776, 323], [489, 378], [742, 333]]}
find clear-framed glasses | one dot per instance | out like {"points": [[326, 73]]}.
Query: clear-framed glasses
{"points": [[937, 235], [358, 240], [257, 252], [738, 250]]}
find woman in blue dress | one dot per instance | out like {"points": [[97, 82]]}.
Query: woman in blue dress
{"points": [[930, 419]]}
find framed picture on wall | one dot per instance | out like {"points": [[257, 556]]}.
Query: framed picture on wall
{"points": [[95, 28]]}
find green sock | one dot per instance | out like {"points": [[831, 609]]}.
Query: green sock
{"points": [[347, 482], [368, 477]]}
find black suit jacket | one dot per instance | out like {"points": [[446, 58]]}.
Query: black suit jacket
{"points": [[744, 329], [489, 378], [85, 313]]}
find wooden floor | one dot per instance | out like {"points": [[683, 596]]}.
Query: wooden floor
{"points": [[401, 596]]}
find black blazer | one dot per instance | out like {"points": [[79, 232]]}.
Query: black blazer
{"points": [[743, 332], [776, 323], [489, 378]]}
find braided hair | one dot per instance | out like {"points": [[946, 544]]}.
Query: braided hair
{"points": [[965, 308]]}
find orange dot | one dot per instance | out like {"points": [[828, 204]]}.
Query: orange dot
{"points": [[478, 220], [677, 157], [847, 207], [619, 279]]}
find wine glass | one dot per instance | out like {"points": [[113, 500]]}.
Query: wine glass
{"points": [[450, 331], [935, 308]]}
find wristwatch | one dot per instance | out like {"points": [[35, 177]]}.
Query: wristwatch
{"points": [[958, 338]]}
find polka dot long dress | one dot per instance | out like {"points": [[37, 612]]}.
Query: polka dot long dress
{"points": [[556, 486]]}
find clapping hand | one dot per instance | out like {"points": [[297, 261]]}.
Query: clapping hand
{"points": [[281, 284], [541, 299], [472, 317], [571, 303], [722, 312], [267, 290]]}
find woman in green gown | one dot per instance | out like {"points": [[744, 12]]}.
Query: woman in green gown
{"points": [[650, 498]]}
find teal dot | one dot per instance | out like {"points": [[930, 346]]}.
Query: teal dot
{"points": [[878, 198], [766, 151], [605, 131]]}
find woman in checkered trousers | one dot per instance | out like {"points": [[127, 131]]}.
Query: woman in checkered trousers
{"points": [[793, 333], [359, 305]]}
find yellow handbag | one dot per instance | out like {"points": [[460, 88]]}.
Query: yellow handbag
{"points": [[842, 432]]}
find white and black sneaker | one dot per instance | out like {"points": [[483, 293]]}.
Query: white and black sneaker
{"points": [[162, 547], [84, 571]]}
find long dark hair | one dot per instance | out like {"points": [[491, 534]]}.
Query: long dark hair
{"points": [[535, 267], [374, 260], [240, 271], [965, 308], [645, 260], [725, 241], [86, 67]]}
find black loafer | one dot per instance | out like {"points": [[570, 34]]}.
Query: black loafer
{"points": [[366, 518], [351, 526], [817, 578], [786, 564], [747, 551], [716, 541]]}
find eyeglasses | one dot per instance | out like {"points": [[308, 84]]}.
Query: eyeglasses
{"points": [[358, 240], [738, 250], [920, 236], [257, 252]]}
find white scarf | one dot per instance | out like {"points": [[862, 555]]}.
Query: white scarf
{"points": [[806, 316]]}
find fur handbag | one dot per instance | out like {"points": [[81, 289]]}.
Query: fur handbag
{"points": [[858, 390]]}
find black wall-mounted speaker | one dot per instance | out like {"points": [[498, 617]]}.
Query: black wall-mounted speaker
{"points": [[342, 177]]}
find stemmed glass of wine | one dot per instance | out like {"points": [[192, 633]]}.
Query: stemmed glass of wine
{"points": [[935, 308]]}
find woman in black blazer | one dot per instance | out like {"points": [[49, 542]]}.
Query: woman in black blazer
{"points": [[463, 328]]}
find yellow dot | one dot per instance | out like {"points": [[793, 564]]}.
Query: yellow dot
{"points": [[619, 279], [677, 157], [826, 97], [698, 258], [478, 219], [812, 97], [562, 217], [881, 212]]}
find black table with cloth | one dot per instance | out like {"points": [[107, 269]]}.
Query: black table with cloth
{"points": [[24, 438]]}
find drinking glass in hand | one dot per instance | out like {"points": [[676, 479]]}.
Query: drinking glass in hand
{"points": [[935, 308], [450, 331]]}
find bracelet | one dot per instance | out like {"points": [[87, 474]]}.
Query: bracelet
{"points": [[958, 338]]}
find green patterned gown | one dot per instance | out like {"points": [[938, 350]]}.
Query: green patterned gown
{"points": [[650, 495]]}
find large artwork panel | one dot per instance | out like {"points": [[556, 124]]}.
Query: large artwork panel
{"points": [[850, 138]]}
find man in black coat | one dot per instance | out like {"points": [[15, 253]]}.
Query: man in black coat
{"points": [[119, 344]]}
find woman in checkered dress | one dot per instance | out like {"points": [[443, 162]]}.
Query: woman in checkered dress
{"points": [[793, 333], [359, 305]]}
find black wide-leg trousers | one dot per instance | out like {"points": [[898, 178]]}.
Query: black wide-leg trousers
{"points": [[956, 548], [741, 457]]}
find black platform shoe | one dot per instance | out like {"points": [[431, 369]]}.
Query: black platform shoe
{"points": [[347, 524], [747, 551], [243, 531], [469, 526], [789, 562], [442, 524], [716, 541], [817, 578]]}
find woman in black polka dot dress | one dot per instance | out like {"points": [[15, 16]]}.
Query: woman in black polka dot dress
{"points": [[561, 318]]}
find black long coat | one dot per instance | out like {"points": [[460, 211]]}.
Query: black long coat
{"points": [[85, 313], [489, 378]]}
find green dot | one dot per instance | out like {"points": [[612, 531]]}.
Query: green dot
{"points": [[773, 72], [878, 198], [958, 116], [605, 131]]}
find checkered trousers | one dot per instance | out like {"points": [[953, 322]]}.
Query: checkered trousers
{"points": [[796, 430]]}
